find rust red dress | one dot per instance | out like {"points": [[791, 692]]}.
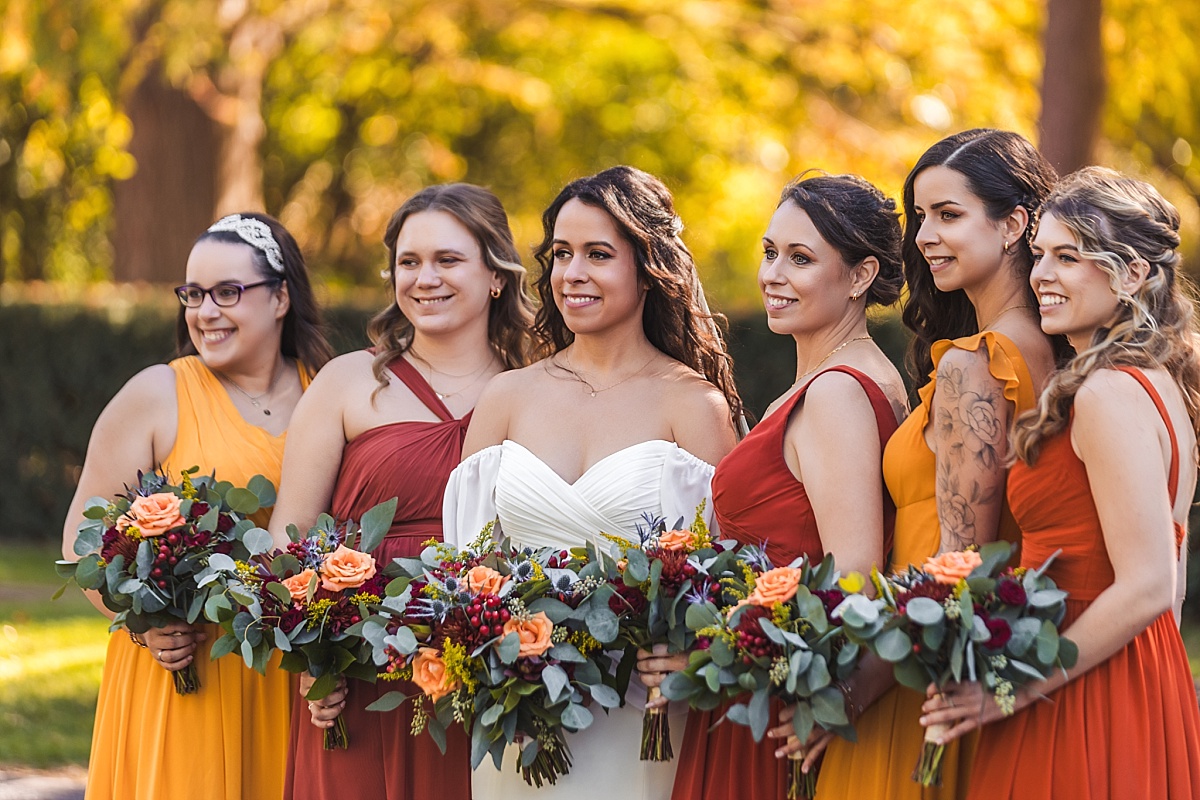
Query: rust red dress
{"points": [[757, 500], [1129, 727], [410, 461]]}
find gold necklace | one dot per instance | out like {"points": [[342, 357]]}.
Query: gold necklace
{"points": [[830, 355], [1003, 311], [254, 401], [592, 390], [475, 376]]}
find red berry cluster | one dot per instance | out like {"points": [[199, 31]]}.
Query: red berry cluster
{"points": [[486, 614], [561, 559], [751, 641], [165, 559]]}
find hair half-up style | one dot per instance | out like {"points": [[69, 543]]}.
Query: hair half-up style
{"points": [[1004, 171], [858, 221], [676, 318], [509, 315], [303, 335], [1117, 222]]}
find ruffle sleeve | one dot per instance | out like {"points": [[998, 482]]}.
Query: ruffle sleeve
{"points": [[1004, 363], [470, 501], [686, 482]]}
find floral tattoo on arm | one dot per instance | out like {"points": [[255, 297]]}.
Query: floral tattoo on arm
{"points": [[970, 431]]}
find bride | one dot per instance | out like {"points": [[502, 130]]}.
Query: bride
{"points": [[628, 410]]}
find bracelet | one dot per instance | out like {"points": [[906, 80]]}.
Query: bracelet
{"points": [[136, 638], [855, 710]]}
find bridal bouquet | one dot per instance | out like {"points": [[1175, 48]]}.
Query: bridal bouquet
{"points": [[655, 583], [782, 640], [506, 642], [308, 601], [964, 616], [145, 551]]}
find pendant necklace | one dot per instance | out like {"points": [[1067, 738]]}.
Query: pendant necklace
{"points": [[592, 390], [256, 401]]}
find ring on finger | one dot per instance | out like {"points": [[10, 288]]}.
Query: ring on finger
{"points": [[159, 656]]}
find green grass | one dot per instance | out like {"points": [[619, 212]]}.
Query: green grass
{"points": [[50, 658]]}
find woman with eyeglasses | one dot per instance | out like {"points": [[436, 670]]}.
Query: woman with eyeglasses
{"points": [[248, 339]]}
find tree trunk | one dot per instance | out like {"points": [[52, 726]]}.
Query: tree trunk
{"points": [[1073, 83], [161, 210]]}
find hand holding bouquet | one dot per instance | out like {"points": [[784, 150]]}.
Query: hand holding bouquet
{"points": [[146, 551], [965, 616], [506, 642], [783, 640], [309, 603]]}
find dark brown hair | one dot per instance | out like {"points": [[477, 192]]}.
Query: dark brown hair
{"points": [[509, 315], [303, 333], [858, 221], [676, 317]]}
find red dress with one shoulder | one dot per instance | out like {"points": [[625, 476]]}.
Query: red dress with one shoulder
{"points": [[410, 461], [1130, 726], [757, 500]]}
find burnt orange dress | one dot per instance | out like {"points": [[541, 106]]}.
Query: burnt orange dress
{"points": [[757, 500], [1129, 727], [890, 738], [410, 461], [227, 741]]}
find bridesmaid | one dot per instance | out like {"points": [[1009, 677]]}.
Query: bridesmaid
{"points": [[1106, 471], [389, 422], [807, 479], [982, 360], [248, 337]]}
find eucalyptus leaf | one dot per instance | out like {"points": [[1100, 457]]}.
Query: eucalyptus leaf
{"points": [[257, 541], [925, 611], [375, 524], [241, 501], [388, 702], [263, 489]]}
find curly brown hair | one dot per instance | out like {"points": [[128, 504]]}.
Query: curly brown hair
{"points": [[676, 317]]}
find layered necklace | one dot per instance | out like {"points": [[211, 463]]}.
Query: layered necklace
{"points": [[474, 376]]}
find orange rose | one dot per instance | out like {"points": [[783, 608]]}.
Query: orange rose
{"points": [[775, 586], [535, 634], [297, 585], [676, 540], [429, 674], [153, 515], [950, 568], [345, 569], [485, 580]]}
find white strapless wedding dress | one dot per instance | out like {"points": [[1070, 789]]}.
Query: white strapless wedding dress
{"points": [[538, 508]]}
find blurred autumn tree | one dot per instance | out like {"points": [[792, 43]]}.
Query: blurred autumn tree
{"points": [[130, 124]]}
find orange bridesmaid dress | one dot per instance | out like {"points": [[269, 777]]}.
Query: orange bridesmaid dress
{"points": [[890, 738], [229, 740], [1129, 727]]}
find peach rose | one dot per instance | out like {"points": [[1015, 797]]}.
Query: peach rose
{"points": [[950, 568], [429, 674], [535, 634], [153, 515], [775, 586], [297, 585], [485, 580], [345, 569], [676, 540]]}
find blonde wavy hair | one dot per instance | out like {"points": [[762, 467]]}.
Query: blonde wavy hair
{"points": [[1118, 222]]}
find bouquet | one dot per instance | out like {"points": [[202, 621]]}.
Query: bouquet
{"points": [[964, 616], [308, 601], [655, 583], [505, 641], [145, 551], [782, 639]]}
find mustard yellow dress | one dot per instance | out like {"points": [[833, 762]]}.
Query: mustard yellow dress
{"points": [[229, 740], [890, 738]]}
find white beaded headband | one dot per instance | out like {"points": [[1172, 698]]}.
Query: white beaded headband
{"points": [[254, 233]]}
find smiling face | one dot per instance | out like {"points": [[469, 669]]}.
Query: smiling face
{"points": [[442, 280], [227, 338], [805, 284], [1075, 296], [962, 245], [594, 274]]}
